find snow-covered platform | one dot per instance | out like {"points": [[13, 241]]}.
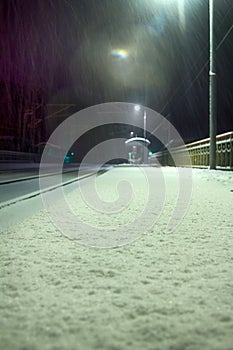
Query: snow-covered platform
{"points": [[161, 291]]}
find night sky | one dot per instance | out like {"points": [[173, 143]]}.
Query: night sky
{"points": [[85, 52]]}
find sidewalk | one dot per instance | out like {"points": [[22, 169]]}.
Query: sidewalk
{"points": [[162, 291]]}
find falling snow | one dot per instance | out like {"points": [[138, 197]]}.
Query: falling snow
{"points": [[62, 54]]}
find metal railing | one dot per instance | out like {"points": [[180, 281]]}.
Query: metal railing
{"points": [[199, 153], [10, 156]]}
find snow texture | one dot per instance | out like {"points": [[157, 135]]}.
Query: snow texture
{"points": [[163, 291]]}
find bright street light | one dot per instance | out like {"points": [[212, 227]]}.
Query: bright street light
{"points": [[212, 81]]}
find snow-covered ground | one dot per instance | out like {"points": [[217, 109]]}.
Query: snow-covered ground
{"points": [[162, 291]]}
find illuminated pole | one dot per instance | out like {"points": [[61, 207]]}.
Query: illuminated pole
{"points": [[144, 135], [137, 108], [144, 125], [212, 89]]}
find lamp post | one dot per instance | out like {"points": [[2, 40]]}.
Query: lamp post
{"points": [[144, 124], [212, 89], [138, 108]]}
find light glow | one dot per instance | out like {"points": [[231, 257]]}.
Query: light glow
{"points": [[120, 53]]}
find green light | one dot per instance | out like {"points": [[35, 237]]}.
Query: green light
{"points": [[67, 159], [72, 153]]}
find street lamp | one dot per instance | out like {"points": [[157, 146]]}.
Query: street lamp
{"points": [[212, 81], [212, 85], [138, 108], [212, 89]]}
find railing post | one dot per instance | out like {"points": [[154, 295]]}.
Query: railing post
{"points": [[231, 152]]}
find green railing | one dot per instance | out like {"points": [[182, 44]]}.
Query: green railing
{"points": [[199, 153]]}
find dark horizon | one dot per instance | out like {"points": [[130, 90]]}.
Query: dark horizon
{"points": [[84, 53]]}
